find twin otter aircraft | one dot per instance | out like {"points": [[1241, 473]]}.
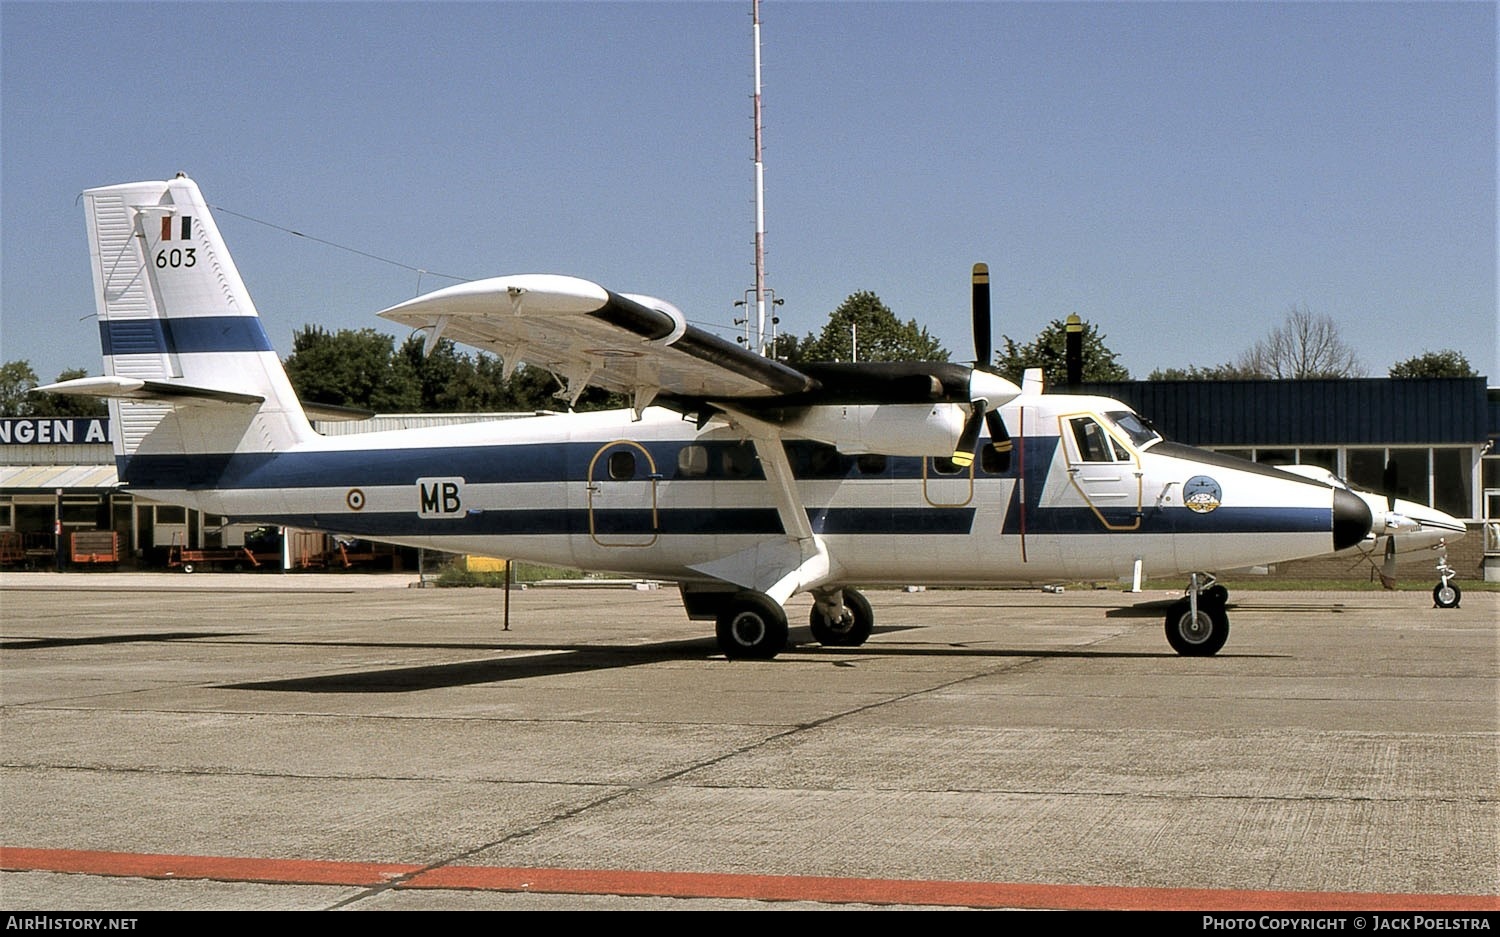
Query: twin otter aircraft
{"points": [[744, 480]]}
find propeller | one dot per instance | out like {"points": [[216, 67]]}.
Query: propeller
{"points": [[1073, 351], [988, 391], [1388, 480]]}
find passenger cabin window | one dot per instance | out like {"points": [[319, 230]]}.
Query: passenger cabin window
{"points": [[622, 465], [739, 460], [1094, 444], [994, 460], [692, 461], [943, 465]]}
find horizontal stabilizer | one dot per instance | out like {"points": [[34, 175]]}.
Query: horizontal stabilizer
{"points": [[129, 388], [333, 413]]}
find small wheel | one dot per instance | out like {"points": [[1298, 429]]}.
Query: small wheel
{"points": [[1446, 595], [751, 627], [1201, 636], [187, 567], [850, 631], [1217, 593]]}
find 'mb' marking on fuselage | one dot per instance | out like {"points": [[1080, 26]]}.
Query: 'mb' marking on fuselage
{"points": [[439, 497]]}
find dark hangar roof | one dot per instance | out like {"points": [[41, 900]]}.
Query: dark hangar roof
{"points": [[1366, 411]]}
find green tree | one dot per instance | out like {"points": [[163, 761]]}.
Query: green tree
{"points": [[453, 381], [1218, 372], [1048, 351], [1445, 363], [16, 381], [352, 368], [881, 336], [66, 405], [16, 399]]}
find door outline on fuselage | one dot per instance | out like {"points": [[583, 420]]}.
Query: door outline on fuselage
{"points": [[957, 479], [1094, 478], [633, 494]]}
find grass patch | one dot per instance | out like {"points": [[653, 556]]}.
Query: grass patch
{"points": [[455, 576]]}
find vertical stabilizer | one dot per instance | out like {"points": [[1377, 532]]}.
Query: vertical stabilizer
{"points": [[173, 310]]}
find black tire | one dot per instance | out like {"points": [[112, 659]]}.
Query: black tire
{"points": [[1446, 595], [187, 567], [1216, 593], [852, 631], [751, 627], [1202, 637]]}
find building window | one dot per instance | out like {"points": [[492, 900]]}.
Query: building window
{"points": [[1323, 458], [1453, 482], [1365, 468]]}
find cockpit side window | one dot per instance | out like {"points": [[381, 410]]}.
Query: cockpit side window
{"points": [[1094, 444]]}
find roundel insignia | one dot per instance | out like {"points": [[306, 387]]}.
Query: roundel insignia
{"points": [[1202, 494], [355, 499]]}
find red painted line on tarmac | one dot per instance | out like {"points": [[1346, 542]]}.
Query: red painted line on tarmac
{"points": [[218, 868], [714, 885]]}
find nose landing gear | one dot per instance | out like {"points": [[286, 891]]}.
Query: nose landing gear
{"points": [[1197, 624]]}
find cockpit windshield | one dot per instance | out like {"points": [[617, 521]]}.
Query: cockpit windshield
{"points": [[1137, 427]]}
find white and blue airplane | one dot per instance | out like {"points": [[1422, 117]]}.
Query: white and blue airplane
{"points": [[1399, 526], [744, 480]]}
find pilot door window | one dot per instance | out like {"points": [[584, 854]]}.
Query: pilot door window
{"points": [[1094, 444]]}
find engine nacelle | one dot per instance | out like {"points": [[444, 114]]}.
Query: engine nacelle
{"points": [[911, 429]]}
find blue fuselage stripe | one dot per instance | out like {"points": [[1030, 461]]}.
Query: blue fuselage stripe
{"points": [[186, 335]]}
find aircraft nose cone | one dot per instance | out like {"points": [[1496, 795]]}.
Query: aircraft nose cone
{"points": [[1351, 519]]}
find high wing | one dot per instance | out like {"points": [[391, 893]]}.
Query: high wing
{"points": [[639, 346]]}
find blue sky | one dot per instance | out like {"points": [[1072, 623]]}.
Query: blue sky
{"points": [[1179, 174]]}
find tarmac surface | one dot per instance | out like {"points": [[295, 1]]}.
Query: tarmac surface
{"points": [[270, 741]]}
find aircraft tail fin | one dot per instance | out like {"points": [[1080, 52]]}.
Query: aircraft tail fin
{"points": [[188, 367]]}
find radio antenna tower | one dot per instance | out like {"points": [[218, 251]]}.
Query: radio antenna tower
{"points": [[760, 199]]}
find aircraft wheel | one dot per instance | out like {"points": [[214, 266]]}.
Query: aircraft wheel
{"points": [[187, 567], [1446, 595], [1215, 593], [1201, 636], [751, 627], [852, 630]]}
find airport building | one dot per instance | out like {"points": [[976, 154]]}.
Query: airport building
{"points": [[57, 475]]}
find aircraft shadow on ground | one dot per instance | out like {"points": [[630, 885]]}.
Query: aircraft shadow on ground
{"points": [[38, 644], [547, 660]]}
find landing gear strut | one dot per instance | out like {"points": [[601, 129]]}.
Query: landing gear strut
{"points": [[1198, 625], [1446, 593], [841, 618]]}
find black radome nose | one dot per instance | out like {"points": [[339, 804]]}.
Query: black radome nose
{"points": [[1351, 519]]}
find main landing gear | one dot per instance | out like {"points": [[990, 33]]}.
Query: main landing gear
{"points": [[752, 626], [1197, 624]]}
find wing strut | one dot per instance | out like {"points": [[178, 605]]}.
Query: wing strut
{"points": [[784, 567]]}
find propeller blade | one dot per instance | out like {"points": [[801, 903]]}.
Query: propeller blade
{"points": [[1388, 568], [999, 440], [1388, 480], [1073, 351], [980, 306], [963, 453]]}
